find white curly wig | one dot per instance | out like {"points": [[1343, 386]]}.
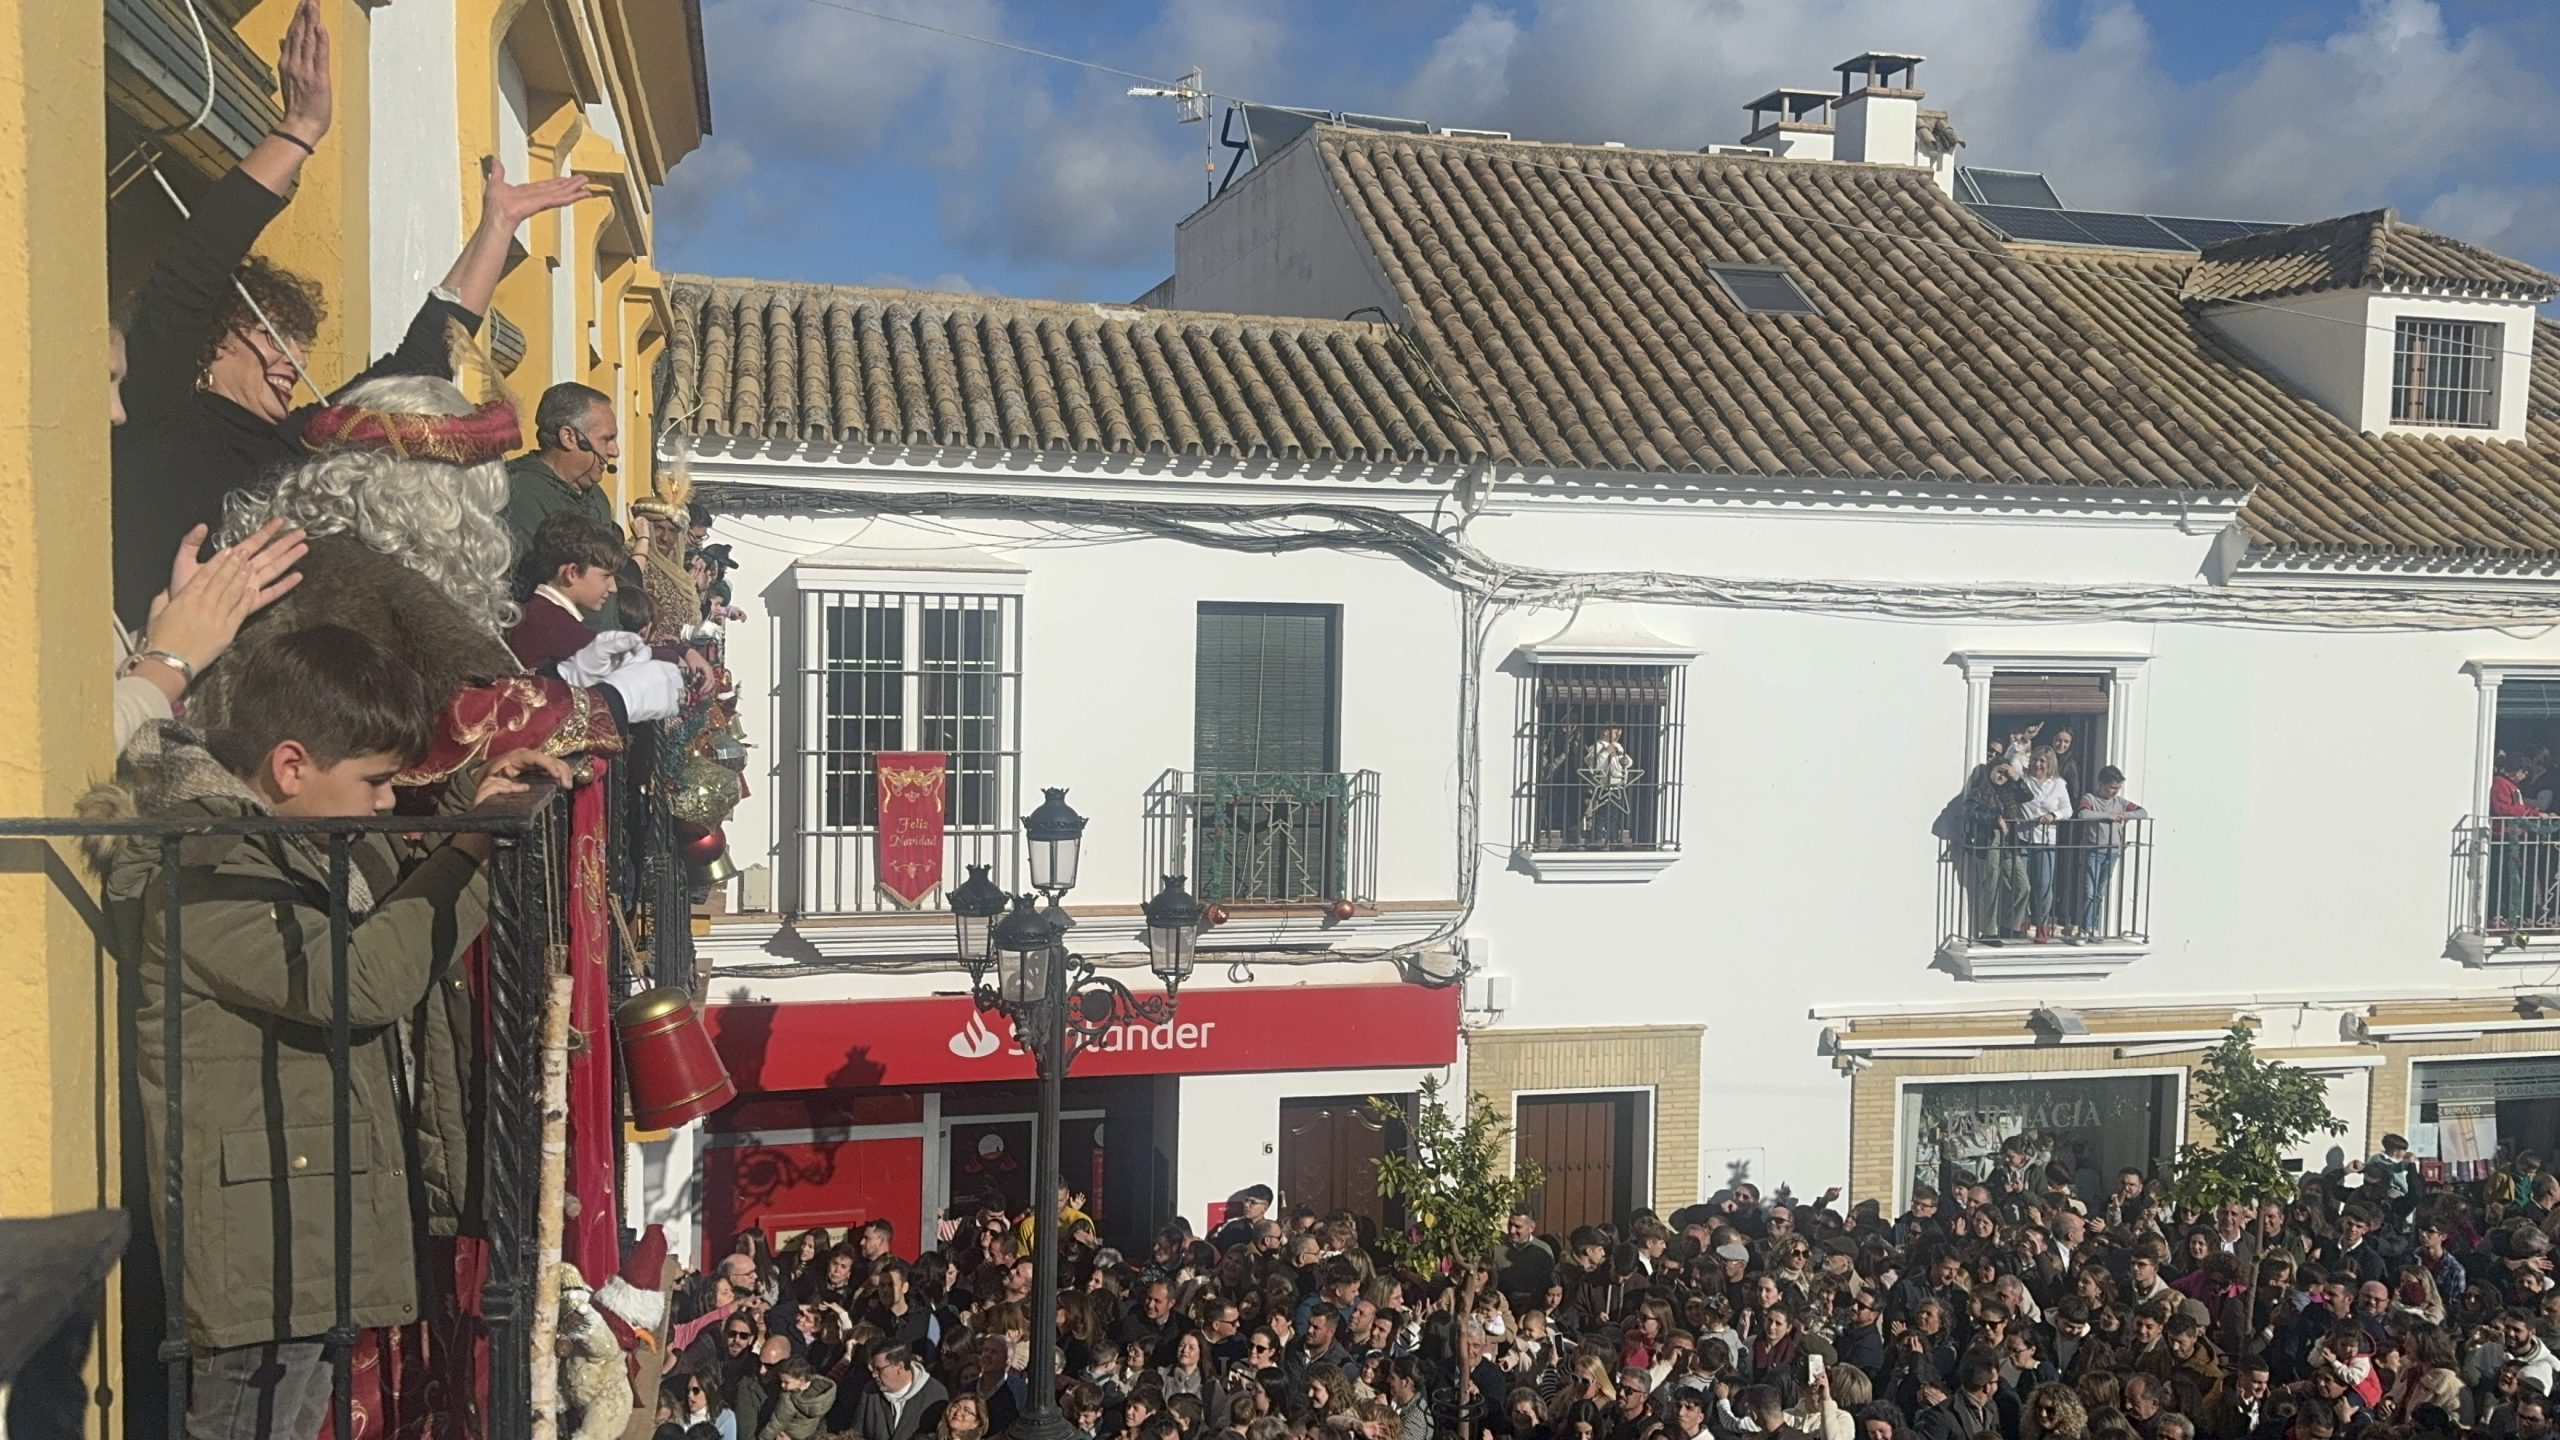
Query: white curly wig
{"points": [[443, 521]]}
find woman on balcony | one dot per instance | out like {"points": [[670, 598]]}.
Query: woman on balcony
{"points": [[216, 339], [1987, 857], [2048, 801]]}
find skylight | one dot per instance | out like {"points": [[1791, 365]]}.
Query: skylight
{"points": [[1764, 289]]}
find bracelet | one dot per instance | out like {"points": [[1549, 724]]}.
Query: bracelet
{"points": [[186, 672], [290, 138]]}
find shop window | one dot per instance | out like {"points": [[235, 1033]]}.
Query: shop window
{"points": [[2095, 1126], [2473, 1115]]}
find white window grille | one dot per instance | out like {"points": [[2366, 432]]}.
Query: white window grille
{"points": [[889, 671], [2445, 372]]}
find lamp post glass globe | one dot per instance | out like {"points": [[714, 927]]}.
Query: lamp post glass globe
{"points": [[975, 905], [1173, 931], [1056, 835], [1023, 940]]}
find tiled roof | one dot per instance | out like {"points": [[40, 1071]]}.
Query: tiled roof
{"points": [[1577, 318], [1566, 292], [2372, 250], [842, 364]]}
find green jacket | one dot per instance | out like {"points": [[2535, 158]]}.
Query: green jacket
{"points": [[534, 495], [256, 1103], [800, 1414]]}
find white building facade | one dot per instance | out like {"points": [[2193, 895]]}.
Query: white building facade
{"points": [[1554, 687]]}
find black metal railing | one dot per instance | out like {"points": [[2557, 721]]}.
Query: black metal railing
{"points": [[2092, 886], [1265, 837], [2506, 875], [529, 871]]}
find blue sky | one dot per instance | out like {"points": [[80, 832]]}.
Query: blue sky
{"points": [[853, 150]]}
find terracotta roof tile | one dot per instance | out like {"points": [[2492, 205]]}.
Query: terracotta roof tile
{"points": [[1567, 295], [1563, 291], [852, 365], [2374, 249]]}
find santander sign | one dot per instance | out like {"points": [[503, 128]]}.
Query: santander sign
{"points": [[975, 1040]]}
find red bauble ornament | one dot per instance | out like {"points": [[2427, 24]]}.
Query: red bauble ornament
{"points": [[1216, 915], [700, 850], [1344, 909]]}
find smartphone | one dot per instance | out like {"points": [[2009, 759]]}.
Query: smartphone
{"points": [[1812, 1368]]}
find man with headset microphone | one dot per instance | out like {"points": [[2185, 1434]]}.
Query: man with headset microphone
{"points": [[577, 441]]}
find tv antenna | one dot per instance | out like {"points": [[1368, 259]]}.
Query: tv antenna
{"points": [[1191, 105]]}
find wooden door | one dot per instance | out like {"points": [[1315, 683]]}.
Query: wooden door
{"points": [[1329, 1151], [1588, 1146]]}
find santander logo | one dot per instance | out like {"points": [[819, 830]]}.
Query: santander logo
{"points": [[975, 1041]]}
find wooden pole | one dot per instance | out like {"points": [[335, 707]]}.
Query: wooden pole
{"points": [[549, 1211]]}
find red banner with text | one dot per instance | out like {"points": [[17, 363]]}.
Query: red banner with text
{"points": [[912, 786], [777, 1048]]}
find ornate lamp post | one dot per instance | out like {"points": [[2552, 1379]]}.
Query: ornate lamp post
{"points": [[1060, 1006]]}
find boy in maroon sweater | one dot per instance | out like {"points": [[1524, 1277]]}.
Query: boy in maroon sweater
{"points": [[577, 557]]}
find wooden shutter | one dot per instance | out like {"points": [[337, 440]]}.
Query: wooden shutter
{"points": [[2054, 693], [1265, 695]]}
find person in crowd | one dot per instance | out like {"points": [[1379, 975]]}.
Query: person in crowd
{"points": [[328, 719], [575, 557], [2048, 802], [216, 390], [696, 1399], [2101, 818], [192, 623], [902, 1400], [577, 444]]}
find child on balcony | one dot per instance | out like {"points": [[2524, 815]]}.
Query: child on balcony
{"points": [[577, 559], [331, 718], [2102, 816]]}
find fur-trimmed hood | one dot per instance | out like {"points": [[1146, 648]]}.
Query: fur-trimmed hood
{"points": [[165, 772]]}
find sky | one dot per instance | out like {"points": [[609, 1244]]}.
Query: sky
{"points": [[853, 150]]}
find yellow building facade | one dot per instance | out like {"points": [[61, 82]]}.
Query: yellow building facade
{"points": [[612, 89]]}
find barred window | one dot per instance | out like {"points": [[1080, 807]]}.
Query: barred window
{"points": [[2445, 372], [885, 672], [1599, 757]]}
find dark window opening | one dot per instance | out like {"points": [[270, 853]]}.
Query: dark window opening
{"points": [[1599, 755], [1764, 289]]}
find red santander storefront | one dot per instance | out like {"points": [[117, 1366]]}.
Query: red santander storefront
{"points": [[851, 1110]]}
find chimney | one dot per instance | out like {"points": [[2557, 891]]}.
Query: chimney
{"points": [[1792, 124], [1878, 112]]}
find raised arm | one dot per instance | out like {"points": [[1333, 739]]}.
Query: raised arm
{"points": [[504, 207], [302, 68]]}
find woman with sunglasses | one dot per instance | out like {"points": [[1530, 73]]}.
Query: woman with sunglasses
{"points": [[698, 1402]]}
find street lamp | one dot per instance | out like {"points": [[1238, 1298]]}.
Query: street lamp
{"points": [[1060, 1007]]}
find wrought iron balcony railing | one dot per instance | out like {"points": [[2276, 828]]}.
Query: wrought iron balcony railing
{"points": [[529, 875], [2506, 878], [1301, 837], [2092, 886]]}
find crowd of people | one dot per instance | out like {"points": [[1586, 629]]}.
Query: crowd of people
{"points": [[2036, 848], [410, 606], [2368, 1304]]}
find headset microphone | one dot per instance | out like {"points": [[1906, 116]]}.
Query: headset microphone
{"points": [[581, 436]]}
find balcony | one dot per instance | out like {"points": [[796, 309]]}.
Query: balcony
{"points": [[2505, 891], [2096, 885], [519, 958], [1266, 838]]}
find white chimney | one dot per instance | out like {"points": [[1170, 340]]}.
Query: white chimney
{"points": [[1792, 124], [1878, 112]]}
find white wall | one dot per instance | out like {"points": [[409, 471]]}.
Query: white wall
{"points": [[1230, 1125], [2305, 784], [1280, 244], [414, 181]]}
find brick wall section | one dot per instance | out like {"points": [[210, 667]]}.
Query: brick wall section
{"points": [[1501, 1063]]}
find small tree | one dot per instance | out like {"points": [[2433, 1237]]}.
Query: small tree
{"points": [[2257, 1109], [1451, 1182]]}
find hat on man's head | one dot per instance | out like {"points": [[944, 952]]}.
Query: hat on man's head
{"points": [[1735, 1251]]}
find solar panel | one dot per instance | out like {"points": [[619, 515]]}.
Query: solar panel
{"points": [[2200, 233], [1764, 290], [1273, 126], [1388, 123], [2010, 187], [2126, 232], [2021, 222]]}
